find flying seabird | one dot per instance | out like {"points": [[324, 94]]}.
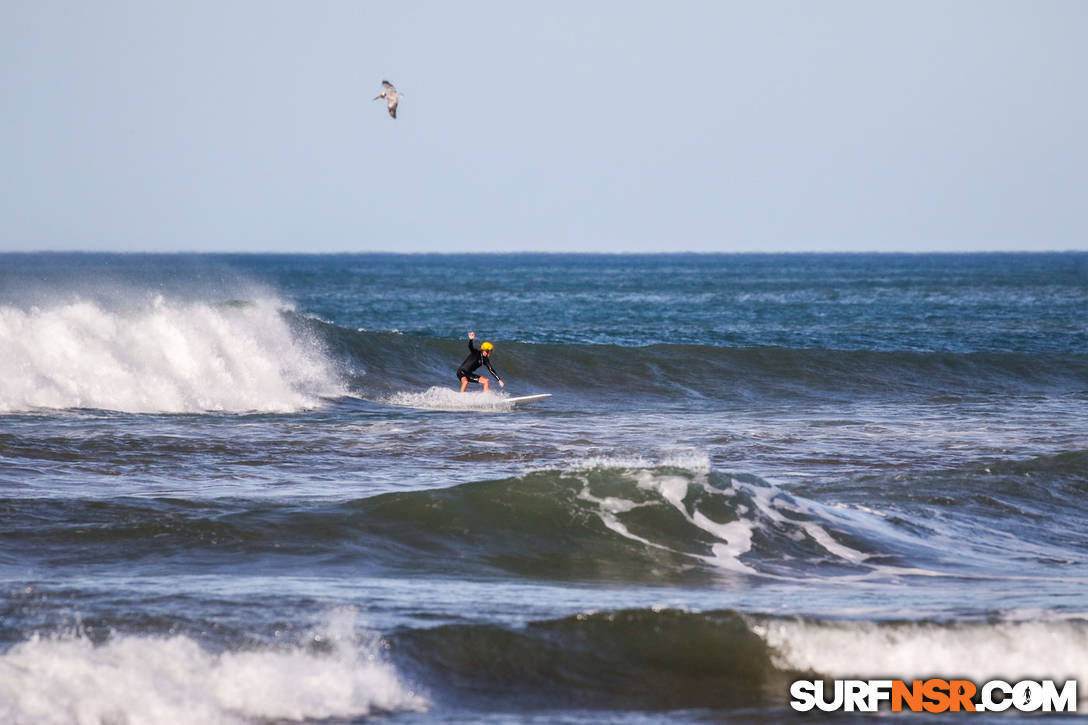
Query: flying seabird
{"points": [[389, 93]]}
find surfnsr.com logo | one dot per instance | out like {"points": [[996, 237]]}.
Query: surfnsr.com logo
{"points": [[933, 695]]}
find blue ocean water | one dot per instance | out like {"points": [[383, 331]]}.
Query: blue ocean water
{"points": [[244, 489]]}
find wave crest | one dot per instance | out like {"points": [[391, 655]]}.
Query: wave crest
{"points": [[159, 356], [145, 679]]}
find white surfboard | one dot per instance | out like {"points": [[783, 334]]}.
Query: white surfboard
{"points": [[526, 399]]}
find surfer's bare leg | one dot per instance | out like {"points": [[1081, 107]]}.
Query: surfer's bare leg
{"points": [[464, 384], [486, 382]]}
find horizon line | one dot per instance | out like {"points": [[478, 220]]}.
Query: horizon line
{"points": [[485, 253]]}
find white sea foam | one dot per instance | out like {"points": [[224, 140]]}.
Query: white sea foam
{"points": [[436, 398], [149, 680], [689, 459], [158, 356], [734, 538], [793, 517], [980, 651]]}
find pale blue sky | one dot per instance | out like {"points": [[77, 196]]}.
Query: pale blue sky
{"points": [[588, 126]]}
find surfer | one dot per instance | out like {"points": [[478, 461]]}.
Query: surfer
{"points": [[477, 357]]}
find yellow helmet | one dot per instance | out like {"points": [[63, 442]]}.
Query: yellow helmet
{"points": [[487, 346]]}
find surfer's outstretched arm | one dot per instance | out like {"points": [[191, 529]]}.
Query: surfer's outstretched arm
{"points": [[487, 364]]}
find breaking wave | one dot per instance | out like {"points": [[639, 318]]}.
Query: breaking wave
{"points": [[654, 658], [154, 355], [145, 353], [381, 365], [668, 658], [147, 679], [607, 520]]}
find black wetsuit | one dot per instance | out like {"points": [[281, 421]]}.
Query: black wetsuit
{"points": [[474, 360]]}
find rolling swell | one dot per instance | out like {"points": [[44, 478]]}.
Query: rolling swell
{"points": [[534, 527], [641, 658], [661, 658], [378, 363], [623, 523], [149, 354]]}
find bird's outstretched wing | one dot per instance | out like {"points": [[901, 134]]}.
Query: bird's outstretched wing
{"points": [[391, 97]]}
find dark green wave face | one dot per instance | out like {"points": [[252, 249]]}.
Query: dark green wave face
{"points": [[664, 525], [669, 659], [636, 658]]}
